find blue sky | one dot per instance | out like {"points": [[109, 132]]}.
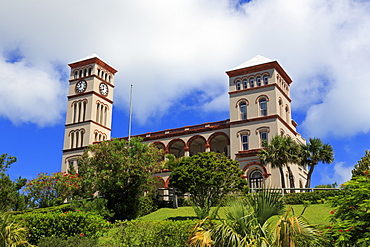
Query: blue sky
{"points": [[175, 54]]}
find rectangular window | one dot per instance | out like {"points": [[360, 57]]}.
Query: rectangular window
{"points": [[263, 106], [244, 142], [263, 137]]}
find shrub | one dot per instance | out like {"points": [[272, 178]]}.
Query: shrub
{"points": [[63, 225], [148, 233], [147, 204], [94, 205], [78, 241], [310, 197]]}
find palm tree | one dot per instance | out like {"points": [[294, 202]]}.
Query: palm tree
{"points": [[280, 152], [12, 234], [313, 153], [248, 224]]}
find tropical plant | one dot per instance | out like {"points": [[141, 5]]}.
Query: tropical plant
{"points": [[313, 153], [120, 171], [362, 165], [280, 152], [292, 231], [248, 223], [208, 177], [12, 233]]}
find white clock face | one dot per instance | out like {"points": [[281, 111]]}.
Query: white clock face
{"points": [[81, 86], [103, 89]]}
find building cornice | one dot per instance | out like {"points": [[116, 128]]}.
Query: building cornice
{"points": [[270, 117], [92, 61], [86, 122], [187, 130], [89, 93], [260, 67], [87, 77], [248, 153], [73, 149], [259, 87]]}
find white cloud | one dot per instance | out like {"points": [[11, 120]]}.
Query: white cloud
{"points": [[342, 173], [171, 49], [29, 94]]}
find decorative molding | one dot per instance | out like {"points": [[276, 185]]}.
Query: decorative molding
{"points": [[257, 68], [89, 93]]}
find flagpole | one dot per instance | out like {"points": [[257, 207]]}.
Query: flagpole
{"points": [[130, 117]]}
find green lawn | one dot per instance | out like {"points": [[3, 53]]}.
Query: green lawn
{"points": [[316, 214]]}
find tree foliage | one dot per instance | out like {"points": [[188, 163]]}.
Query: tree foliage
{"points": [[11, 198], [208, 177], [51, 190], [351, 215], [119, 171], [362, 165], [313, 153], [280, 152]]}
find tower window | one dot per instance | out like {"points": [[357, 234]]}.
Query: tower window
{"points": [[265, 80], [258, 81], [251, 82], [244, 142], [238, 85], [243, 110], [245, 84], [263, 106]]}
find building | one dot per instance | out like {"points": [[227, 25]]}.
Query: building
{"points": [[260, 108]]}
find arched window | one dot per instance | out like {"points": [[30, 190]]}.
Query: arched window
{"points": [[238, 85], [82, 138], [75, 75], [80, 73], [72, 139], [265, 80], [84, 111], [287, 114], [97, 112], [98, 72], [85, 72], [90, 70], [281, 107], [243, 110], [74, 112], [245, 83], [244, 139], [258, 81], [105, 115], [263, 107], [251, 82], [255, 179]]}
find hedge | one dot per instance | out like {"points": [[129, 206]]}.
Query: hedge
{"points": [[315, 197], [148, 233], [63, 224]]}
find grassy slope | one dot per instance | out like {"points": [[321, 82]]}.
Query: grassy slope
{"points": [[316, 214]]}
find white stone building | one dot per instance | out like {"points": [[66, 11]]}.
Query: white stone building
{"points": [[260, 108]]}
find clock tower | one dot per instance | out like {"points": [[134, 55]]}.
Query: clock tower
{"points": [[89, 108]]}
